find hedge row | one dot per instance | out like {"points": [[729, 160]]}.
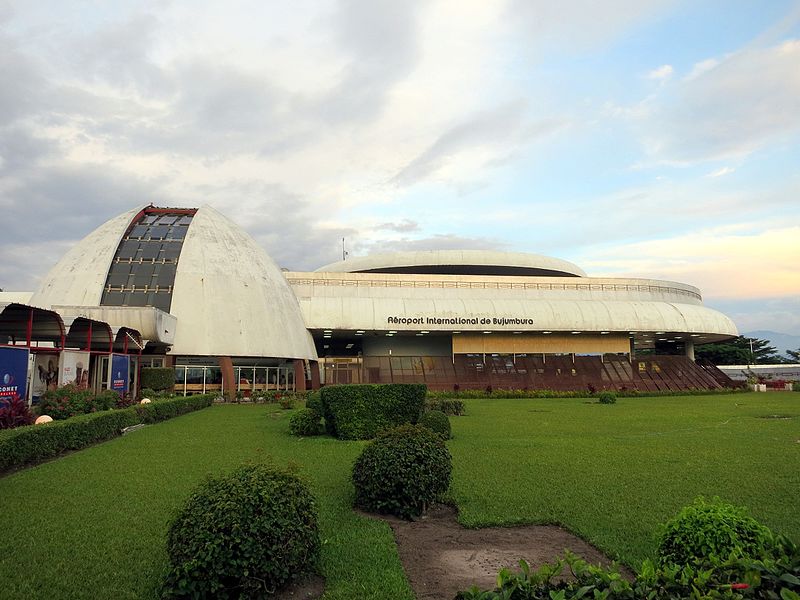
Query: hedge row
{"points": [[360, 411], [161, 410], [34, 443], [517, 393]]}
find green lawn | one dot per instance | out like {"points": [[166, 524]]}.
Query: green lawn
{"points": [[92, 524]]}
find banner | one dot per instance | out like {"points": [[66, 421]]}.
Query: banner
{"points": [[120, 364], [45, 374], [74, 368], [13, 373]]}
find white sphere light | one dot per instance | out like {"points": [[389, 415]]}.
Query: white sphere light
{"points": [[144, 401], [43, 419]]}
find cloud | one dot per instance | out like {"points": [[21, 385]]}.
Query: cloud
{"points": [[497, 133], [404, 226], [727, 107], [725, 264], [661, 73], [721, 171], [442, 241]]}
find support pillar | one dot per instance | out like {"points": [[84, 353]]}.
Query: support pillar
{"points": [[228, 378], [299, 375], [314, 367], [689, 349]]}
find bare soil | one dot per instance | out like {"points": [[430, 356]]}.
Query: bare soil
{"points": [[442, 558]]}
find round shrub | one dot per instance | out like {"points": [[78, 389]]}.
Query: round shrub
{"points": [[436, 421], [402, 471], [314, 401], [715, 529], [305, 421], [607, 398], [242, 535]]}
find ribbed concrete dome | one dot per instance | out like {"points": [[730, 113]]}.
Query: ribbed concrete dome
{"points": [[229, 297]]}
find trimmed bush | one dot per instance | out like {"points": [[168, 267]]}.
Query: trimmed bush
{"points": [[242, 535], [305, 421], [607, 398], [34, 443], [14, 412], [449, 406], [158, 378], [436, 421], [161, 410], [314, 402], [705, 531], [402, 472], [359, 412]]}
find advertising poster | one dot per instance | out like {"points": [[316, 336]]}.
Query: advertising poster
{"points": [[120, 365], [45, 374], [13, 373], [74, 368]]}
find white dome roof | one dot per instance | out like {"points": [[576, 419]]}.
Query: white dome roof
{"points": [[466, 262], [229, 297]]}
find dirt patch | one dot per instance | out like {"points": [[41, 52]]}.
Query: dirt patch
{"points": [[309, 588], [442, 558]]}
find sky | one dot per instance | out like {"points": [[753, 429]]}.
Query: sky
{"points": [[650, 139]]}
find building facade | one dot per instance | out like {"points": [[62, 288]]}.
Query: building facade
{"points": [[208, 301]]}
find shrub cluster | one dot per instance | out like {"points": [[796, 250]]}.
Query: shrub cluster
{"points": [[436, 421], [449, 406], [34, 443], [14, 412], [69, 401], [360, 411], [706, 530], [773, 577], [402, 471], [306, 421], [158, 378], [242, 535], [744, 562], [607, 398]]}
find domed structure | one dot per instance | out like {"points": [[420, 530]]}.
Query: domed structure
{"points": [[458, 262], [229, 297]]}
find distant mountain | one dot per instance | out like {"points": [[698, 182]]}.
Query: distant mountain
{"points": [[781, 341]]}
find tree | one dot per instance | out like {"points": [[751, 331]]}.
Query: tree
{"points": [[794, 355], [738, 352]]}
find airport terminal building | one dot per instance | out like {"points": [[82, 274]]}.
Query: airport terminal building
{"points": [[200, 295]]}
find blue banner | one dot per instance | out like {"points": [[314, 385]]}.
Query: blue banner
{"points": [[13, 373], [120, 364]]}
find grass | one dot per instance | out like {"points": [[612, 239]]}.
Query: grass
{"points": [[92, 524], [613, 473]]}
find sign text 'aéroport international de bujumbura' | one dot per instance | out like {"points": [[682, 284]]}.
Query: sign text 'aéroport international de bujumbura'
{"points": [[207, 300]]}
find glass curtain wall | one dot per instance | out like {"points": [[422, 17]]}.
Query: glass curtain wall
{"points": [[201, 379]]}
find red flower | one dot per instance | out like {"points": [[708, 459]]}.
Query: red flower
{"points": [[739, 586]]}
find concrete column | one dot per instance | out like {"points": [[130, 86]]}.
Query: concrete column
{"points": [[314, 366], [228, 378], [689, 348], [299, 375]]}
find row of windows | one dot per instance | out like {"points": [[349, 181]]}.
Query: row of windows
{"points": [[144, 274], [136, 250], [159, 299], [145, 264]]}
